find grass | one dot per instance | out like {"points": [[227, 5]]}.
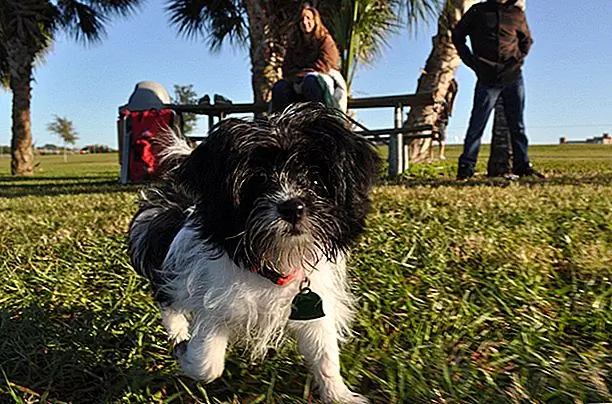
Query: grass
{"points": [[485, 291]]}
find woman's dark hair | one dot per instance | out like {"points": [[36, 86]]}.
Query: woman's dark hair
{"points": [[319, 32]]}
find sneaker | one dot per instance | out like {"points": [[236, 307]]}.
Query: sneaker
{"points": [[465, 172], [529, 171], [510, 177]]}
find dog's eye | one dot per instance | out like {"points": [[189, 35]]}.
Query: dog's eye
{"points": [[261, 176], [319, 186]]}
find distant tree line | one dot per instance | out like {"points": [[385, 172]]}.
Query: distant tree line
{"points": [[90, 149], [98, 148]]}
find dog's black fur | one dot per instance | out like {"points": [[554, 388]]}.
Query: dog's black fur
{"points": [[222, 183]]}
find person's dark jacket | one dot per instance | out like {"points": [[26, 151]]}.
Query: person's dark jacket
{"points": [[500, 40]]}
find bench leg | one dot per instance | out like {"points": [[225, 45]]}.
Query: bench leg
{"points": [[398, 153]]}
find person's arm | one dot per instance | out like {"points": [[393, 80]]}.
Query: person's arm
{"points": [[524, 36], [460, 33], [328, 56]]}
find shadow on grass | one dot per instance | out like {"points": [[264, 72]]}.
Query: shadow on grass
{"points": [[63, 186], [603, 180], [9, 179], [75, 355], [14, 187]]}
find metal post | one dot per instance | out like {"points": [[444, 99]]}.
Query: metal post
{"points": [[396, 145], [125, 151], [393, 156], [406, 148]]}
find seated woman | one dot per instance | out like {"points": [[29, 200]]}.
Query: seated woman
{"points": [[311, 56]]}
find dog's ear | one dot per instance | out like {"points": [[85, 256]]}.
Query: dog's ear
{"points": [[365, 164], [190, 176], [206, 170], [351, 156]]}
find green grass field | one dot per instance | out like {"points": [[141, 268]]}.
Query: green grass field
{"points": [[482, 291]]}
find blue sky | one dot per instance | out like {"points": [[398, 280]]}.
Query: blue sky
{"points": [[568, 74]]}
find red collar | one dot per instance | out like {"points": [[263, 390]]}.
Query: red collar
{"points": [[275, 277]]}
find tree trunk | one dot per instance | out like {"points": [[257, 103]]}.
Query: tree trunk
{"points": [[501, 150], [437, 75], [266, 50], [20, 78]]}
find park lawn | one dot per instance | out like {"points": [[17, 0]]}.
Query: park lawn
{"points": [[482, 291]]}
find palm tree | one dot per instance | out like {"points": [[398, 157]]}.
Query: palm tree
{"points": [[27, 30], [360, 29], [64, 129], [260, 25], [437, 74]]}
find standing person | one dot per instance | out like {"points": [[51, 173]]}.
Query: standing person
{"points": [[311, 50], [500, 40]]}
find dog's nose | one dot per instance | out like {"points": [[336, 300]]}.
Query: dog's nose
{"points": [[292, 210]]}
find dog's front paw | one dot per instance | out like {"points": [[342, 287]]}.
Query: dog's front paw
{"points": [[206, 369], [349, 398], [355, 398], [342, 396]]}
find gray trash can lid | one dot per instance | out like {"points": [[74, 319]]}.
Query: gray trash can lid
{"points": [[147, 95]]}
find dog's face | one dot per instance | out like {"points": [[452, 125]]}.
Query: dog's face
{"points": [[281, 192]]}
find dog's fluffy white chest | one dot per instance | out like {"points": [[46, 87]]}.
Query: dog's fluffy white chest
{"points": [[212, 289]]}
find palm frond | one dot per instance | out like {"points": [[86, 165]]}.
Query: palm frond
{"points": [[84, 22], [377, 22], [122, 8], [213, 20], [361, 29], [32, 22], [419, 11]]}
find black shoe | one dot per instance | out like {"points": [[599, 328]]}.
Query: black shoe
{"points": [[498, 170], [529, 171], [219, 99], [465, 172]]}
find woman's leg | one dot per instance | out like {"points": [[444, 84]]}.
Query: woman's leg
{"points": [[311, 89], [282, 95]]}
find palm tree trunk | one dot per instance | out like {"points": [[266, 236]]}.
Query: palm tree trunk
{"points": [[437, 75], [501, 150], [266, 50], [20, 70]]}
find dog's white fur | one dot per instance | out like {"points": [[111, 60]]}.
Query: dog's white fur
{"points": [[217, 302]]}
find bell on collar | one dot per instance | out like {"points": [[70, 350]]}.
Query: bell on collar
{"points": [[306, 305]]}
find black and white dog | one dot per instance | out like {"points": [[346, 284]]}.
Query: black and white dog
{"points": [[253, 227]]}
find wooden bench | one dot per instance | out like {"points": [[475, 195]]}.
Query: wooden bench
{"points": [[396, 137]]}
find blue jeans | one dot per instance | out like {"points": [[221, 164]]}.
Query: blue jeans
{"points": [[485, 98], [284, 94]]}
